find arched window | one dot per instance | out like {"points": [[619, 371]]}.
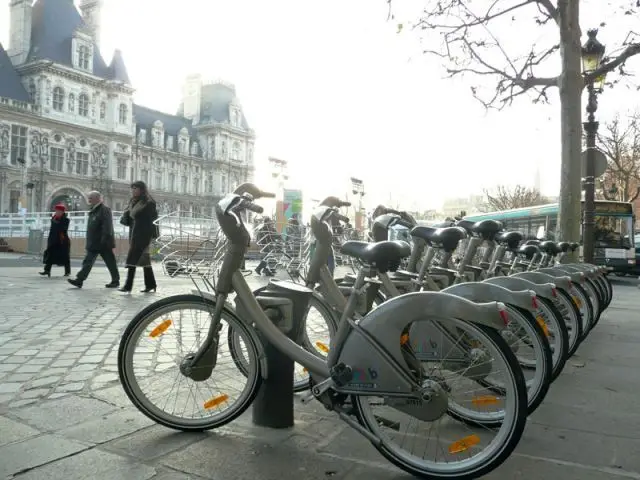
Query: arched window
{"points": [[123, 114], [83, 105], [103, 110], [83, 57], [72, 102], [58, 99]]}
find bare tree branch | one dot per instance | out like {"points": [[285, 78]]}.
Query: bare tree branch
{"points": [[620, 142], [468, 46], [505, 198]]}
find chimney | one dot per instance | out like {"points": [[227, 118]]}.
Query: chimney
{"points": [[91, 11], [19, 31]]}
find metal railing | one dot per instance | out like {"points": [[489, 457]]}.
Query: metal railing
{"points": [[16, 225]]}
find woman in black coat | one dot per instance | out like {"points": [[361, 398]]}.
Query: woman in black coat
{"points": [[139, 217], [58, 250]]}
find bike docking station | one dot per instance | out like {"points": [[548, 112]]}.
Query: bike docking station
{"points": [[285, 303]]}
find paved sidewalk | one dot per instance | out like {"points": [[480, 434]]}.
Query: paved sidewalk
{"points": [[63, 414]]}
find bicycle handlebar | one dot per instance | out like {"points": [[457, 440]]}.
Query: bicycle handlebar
{"points": [[334, 202]]}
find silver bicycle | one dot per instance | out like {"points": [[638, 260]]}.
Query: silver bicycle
{"points": [[369, 377]]}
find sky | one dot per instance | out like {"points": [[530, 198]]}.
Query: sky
{"points": [[331, 87]]}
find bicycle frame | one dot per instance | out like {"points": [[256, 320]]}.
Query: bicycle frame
{"points": [[370, 347]]}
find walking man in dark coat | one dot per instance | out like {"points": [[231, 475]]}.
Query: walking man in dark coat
{"points": [[100, 240]]}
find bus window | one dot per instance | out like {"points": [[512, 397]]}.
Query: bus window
{"points": [[613, 232]]}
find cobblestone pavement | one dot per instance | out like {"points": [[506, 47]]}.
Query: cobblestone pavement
{"points": [[64, 415]]}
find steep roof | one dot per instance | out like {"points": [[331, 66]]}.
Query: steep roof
{"points": [[117, 69], [10, 84], [145, 117], [215, 101], [53, 25]]}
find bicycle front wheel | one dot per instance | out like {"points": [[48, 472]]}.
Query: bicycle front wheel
{"points": [[456, 449], [151, 353]]}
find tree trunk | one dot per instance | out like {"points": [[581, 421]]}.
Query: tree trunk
{"points": [[571, 86]]}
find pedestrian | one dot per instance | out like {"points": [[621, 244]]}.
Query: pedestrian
{"points": [[139, 217], [100, 241], [58, 250], [267, 239]]}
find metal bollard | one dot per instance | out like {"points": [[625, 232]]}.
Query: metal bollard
{"points": [[273, 406]]}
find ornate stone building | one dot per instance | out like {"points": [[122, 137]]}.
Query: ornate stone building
{"points": [[68, 122]]}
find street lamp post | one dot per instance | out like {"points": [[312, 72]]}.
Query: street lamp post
{"points": [[592, 54]]}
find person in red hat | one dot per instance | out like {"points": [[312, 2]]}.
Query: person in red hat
{"points": [[58, 250]]}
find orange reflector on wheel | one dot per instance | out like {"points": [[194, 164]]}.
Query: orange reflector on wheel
{"points": [[215, 401], [484, 400], [404, 339], [577, 301], [322, 346], [160, 329], [543, 325], [464, 444]]}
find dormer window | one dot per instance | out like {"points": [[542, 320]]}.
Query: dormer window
{"points": [[84, 57], [123, 114], [170, 142]]}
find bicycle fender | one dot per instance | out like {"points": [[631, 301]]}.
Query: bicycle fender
{"points": [[587, 272], [373, 347], [480, 292], [559, 272], [536, 277], [561, 279], [544, 290], [229, 310]]}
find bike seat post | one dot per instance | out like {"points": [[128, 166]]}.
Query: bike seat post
{"points": [[426, 263], [416, 252], [498, 255], [472, 248]]}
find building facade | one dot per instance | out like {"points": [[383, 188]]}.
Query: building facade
{"points": [[68, 123]]}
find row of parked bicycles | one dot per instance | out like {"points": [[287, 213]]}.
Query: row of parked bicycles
{"points": [[435, 353]]}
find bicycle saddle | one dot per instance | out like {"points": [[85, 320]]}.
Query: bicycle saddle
{"points": [[528, 251], [425, 233], [486, 229], [549, 247], [564, 246], [448, 238], [574, 246], [511, 240], [385, 255], [532, 242]]}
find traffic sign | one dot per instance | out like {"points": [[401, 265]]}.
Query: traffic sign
{"points": [[599, 160]]}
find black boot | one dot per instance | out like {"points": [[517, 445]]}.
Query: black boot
{"points": [[149, 280], [46, 272], [260, 267], [128, 285]]}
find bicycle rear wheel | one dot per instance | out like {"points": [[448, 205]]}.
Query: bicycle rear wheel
{"points": [[457, 449]]}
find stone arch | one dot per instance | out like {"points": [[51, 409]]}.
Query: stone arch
{"points": [[72, 197]]}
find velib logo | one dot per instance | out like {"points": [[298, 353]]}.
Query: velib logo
{"points": [[426, 348], [364, 378]]}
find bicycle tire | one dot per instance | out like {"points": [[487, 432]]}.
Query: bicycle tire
{"points": [[562, 334], [514, 433], [151, 411]]}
